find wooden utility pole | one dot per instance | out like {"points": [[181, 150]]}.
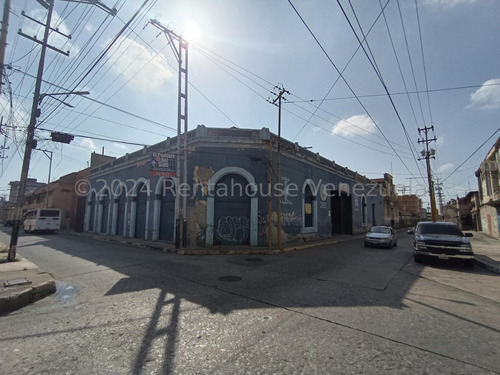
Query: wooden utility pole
{"points": [[3, 38], [30, 131], [428, 154], [270, 197], [279, 99], [30, 135]]}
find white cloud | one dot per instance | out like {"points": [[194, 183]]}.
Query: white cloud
{"points": [[446, 167], [354, 125], [145, 71], [89, 144], [487, 96], [447, 3]]}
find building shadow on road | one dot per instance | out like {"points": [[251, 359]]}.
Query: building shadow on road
{"points": [[327, 276]]}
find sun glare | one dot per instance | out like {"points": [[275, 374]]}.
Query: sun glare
{"points": [[192, 33]]}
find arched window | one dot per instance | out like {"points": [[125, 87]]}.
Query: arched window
{"points": [[309, 209]]}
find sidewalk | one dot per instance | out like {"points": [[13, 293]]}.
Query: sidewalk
{"points": [[35, 284], [486, 250]]}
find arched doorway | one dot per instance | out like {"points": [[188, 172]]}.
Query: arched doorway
{"points": [[232, 208], [231, 211]]}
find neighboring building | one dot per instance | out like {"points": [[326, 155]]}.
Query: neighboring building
{"points": [[466, 211], [475, 211], [388, 191], [489, 191], [449, 212], [7, 211], [227, 192], [410, 210], [31, 185], [60, 195], [68, 193]]}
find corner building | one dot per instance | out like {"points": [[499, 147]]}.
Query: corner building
{"points": [[227, 192]]}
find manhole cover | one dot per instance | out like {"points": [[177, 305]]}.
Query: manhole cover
{"points": [[254, 259], [230, 279]]}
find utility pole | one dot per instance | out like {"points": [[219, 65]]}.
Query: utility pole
{"points": [[270, 197], [3, 38], [35, 111], [428, 154], [29, 141], [279, 98], [181, 54], [439, 189]]}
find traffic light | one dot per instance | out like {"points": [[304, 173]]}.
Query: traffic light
{"points": [[61, 137]]}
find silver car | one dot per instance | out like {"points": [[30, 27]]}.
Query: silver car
{"points": [[381, 236]]}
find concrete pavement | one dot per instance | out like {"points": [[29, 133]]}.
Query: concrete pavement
{"points": [[40, 284]]}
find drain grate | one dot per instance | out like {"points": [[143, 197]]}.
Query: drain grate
{"points": [[230, 279]]}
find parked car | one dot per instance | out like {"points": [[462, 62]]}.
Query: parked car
{"points": [[8, 223], [442, 241], [381, 236]]}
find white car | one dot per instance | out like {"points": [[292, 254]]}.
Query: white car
{"points": [[381, 236]]}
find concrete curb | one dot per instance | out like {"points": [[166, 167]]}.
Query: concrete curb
{"points": [[26, 296], [15, 297], [244, 250], [487, 263]]}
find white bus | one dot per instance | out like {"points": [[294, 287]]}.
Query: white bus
{"points": [[42, 220]]}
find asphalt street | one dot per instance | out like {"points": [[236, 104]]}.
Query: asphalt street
{"points": [[336, 309]]}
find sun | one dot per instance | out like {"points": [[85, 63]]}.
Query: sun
{"points": [[192, 32]]}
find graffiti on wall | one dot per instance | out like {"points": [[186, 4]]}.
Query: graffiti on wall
{"points": [[285, 193], [233, 228]]}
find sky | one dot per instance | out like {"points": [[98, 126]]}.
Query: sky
{"points": [[362, 76]]}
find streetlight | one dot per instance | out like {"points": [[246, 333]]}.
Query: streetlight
{"points": [[47, 152], [62, 93], [30, 145]]}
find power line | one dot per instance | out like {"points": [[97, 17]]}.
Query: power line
{"points": [[379, 75], [347, 84], [107, 105], [477, 149], [410, 60], [104, 54], [423, 61], [399, 66], [400, 93], [338, 78]]}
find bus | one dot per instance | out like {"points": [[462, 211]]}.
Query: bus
{"points": [[42, 220]]}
